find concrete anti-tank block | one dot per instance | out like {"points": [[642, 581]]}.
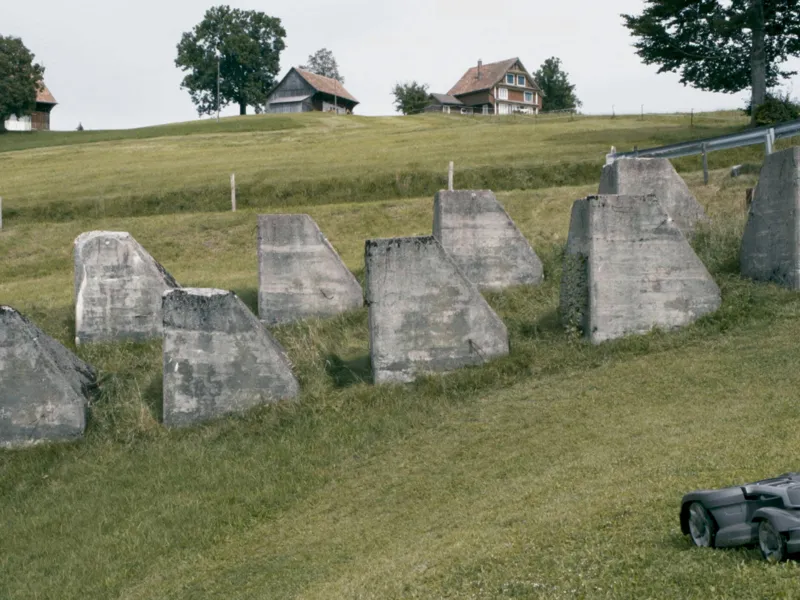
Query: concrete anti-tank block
{"points": [[424, 314], [628, 268], [118, 288], [218, 358], [771, 241], [300, 275], [656, 176], [474, 228], [44, 388]]}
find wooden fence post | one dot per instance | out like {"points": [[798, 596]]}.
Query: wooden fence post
{"points": [[450, 170], [705, 165], [233, 192]]}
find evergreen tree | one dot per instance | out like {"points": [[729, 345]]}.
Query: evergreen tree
{"points": [[557, 92]]}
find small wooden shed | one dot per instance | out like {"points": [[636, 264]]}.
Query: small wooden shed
{"points": [[39, 119], [303, 91]]}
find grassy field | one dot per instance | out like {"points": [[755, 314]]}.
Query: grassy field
{"points": [[553, 473], [285, 161]]}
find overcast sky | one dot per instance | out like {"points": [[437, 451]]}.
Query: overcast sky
{"points": [[110, 63]]}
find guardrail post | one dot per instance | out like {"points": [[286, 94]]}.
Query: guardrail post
{"points": [[705, 164], [769, 140]]}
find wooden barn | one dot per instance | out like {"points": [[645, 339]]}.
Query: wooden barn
{"points": [[302, 91], [39, 119]]}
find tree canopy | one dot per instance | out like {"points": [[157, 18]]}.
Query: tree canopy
{"points": [[248, 43], [719, 45], [558, 92], [410, 98], [323, 63], [20, 79]]}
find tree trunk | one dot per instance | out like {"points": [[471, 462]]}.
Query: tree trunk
{"points": [[758, 58], [242, 108]]}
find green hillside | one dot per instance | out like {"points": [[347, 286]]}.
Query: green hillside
{"points": [[285, 161], [553, 473]]}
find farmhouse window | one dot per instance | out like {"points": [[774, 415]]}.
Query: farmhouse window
{"points": [[521, 80], [510, 78], [503, 94], [529, 97]]}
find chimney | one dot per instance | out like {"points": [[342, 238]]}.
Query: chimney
{"points": [[480, 64]]}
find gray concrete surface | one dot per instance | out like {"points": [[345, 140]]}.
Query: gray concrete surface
{"points": [[218, 358], [44, 388], [118, 288], [771, 242], [628, 269], [424, 314], [475, 229], [657, 176], [300, 275]]}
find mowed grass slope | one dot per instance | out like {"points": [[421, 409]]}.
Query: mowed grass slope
{"points": [[284, 161], [555, 472]]}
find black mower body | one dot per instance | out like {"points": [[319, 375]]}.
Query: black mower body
{"points": [[738, 510]]}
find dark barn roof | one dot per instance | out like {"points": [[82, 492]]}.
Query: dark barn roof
{"points": [[326, 85], [446, 99]]}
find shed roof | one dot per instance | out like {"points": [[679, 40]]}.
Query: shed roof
{"points": [[490, 75], [447, 99], [326, 85], [44, 96]]}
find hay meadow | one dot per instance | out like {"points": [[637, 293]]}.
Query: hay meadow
{"points": [[555, 472]]}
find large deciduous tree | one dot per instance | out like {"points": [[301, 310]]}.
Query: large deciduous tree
{"points": [[410, 98], [20, 79], [558, 92], [719, 45], [323, 63], [247, 45]]}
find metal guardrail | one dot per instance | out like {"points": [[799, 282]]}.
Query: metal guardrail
{"points": [[762, 135]]}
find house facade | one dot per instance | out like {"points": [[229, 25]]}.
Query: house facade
{"points": [[501, 88], [39, 119], [303, 91]]}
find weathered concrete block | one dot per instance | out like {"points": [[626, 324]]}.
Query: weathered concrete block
{"points": [[474, 228], [657, 176], [424, 314], [628, 268], [771, 241], [300, 275], [44, 388], [218, 358], [118, 288]]}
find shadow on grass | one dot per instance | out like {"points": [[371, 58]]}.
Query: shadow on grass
{"points": [[345, 373], [154, 397], [250, 297]]}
